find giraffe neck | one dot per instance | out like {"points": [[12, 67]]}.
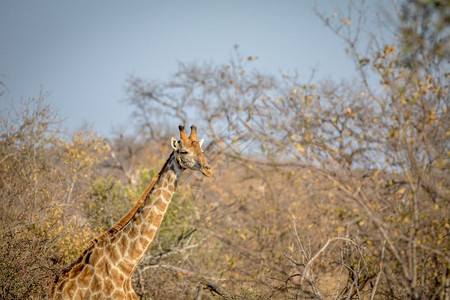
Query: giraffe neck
{"points": [[136, 236], [105, 268]]}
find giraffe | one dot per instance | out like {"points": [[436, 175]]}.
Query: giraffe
{"points": [[104, 269]]}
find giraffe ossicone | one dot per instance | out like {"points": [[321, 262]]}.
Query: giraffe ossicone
{"points": [[104, 269]]}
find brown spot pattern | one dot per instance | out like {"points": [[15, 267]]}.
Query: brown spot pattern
{"points": [[70, 290], [167, 195], [126, 267], [85, 277], [96, 284], [112, 252], [123, 245], [161, 205], [108, 287], [134, 232], [148, 231]]}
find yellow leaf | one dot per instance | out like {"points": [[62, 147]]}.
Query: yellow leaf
{"points": [[376, 173], [401, 191], [291, 249], [389, 50], [300, 148]]}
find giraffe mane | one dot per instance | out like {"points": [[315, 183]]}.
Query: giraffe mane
{"points": [[124, 221]]}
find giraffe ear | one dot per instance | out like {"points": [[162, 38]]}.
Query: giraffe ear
{"points": [[200, 142], [174, 143]]}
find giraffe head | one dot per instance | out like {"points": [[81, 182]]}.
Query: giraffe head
{"points": [[189, 153]]}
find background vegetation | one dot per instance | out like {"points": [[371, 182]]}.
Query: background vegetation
{"points": [[322, 189]]}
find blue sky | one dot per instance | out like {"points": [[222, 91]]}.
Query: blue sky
{"points": [[82, 52]]}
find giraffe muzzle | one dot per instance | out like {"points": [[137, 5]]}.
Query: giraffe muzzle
{"points": [[206, 171]]}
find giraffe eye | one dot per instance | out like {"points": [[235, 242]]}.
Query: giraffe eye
{"points": [[184, 152]]}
